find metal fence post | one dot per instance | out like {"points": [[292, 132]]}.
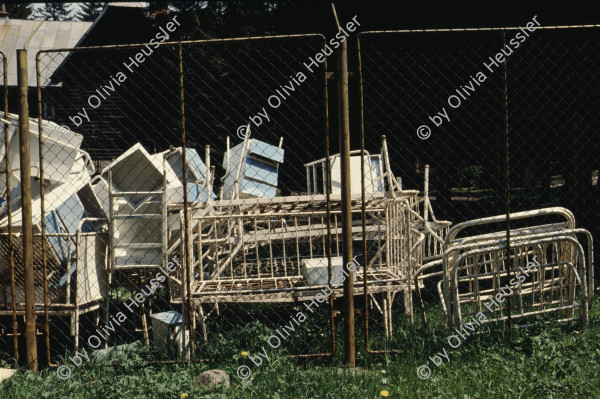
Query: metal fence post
{"points": [[507, 185], [344, 121], [26, 211], [188, 308], [11, 250]]}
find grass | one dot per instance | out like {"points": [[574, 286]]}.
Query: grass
{"points": [[543, 361]]}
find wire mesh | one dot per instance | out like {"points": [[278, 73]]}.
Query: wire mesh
{"points": [[447, 106], [175, 218], [185, 198]]}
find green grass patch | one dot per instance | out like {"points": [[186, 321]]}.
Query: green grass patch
{"points": [[542, 361]]}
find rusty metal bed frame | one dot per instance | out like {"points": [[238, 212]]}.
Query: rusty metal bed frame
{"points": [[473, 268]]}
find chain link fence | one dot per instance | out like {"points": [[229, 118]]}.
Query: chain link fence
{"points": [[187, 204], [450, 109], [172, 210]]}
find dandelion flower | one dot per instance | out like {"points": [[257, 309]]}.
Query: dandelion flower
{"points": [[385, 394], [184, 395], [244, 353]]}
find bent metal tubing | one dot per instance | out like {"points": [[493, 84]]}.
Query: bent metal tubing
{"points": [[577, 245], [446, 297], [568, 215], [515, 239]]}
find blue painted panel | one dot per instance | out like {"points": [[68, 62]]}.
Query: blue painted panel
{"points": [[266, 150], [195, 162], [169, 317], [261, 171], [376, 167], [257, 188], [71, 212], [58, 244], [65, 219], [195, 193]]}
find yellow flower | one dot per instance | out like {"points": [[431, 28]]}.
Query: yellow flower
{"points": [[385, 394], [244, 353], [184, 395]]}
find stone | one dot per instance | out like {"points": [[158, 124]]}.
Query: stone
{"points": [[6, 374], [213, 378]]}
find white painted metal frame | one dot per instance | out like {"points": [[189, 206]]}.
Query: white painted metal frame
{"points": [[473, 255], [567, 266]]}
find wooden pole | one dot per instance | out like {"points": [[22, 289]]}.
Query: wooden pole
{"points": [[344, 121], [27, 216], [188, 308]]}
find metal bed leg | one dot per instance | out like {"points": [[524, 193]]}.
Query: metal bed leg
{"points": [[202, 323]]}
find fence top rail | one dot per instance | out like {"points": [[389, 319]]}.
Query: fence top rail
{"points": [[299, 200], [276, 217], [490, 29], [182, 42]]}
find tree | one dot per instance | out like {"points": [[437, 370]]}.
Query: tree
{"points": [[19, 10], [90, 10], [55, 11], [218, 18], [235, 18]]}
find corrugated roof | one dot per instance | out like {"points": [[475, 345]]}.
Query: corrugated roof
{"points": [[137, 4], [51, 34]]}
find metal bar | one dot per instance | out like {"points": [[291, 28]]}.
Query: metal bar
{"points": [[310, 239], [164, 215], [255, 248], [507, 186], [68, 293], [363, 208], [216, 249], [241, 232], [295, 199], [363, 203], [386, 160], [186, 42], [507, 28], [324, 177], [76, 297], [426, 204], [207, 159], [229, 234], [11, 250], [344, 124], [182, 283], [327, 191], [284, 253], [453, 232], [111, 243], [129, 193], [314, 176], [270, 248], [189, 309], [200, 257], [27, 215], [111, 226], [307, 180], [275, 214], [297, 244]]}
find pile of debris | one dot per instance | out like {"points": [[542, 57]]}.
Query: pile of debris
{"points": [[116, 217]]}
